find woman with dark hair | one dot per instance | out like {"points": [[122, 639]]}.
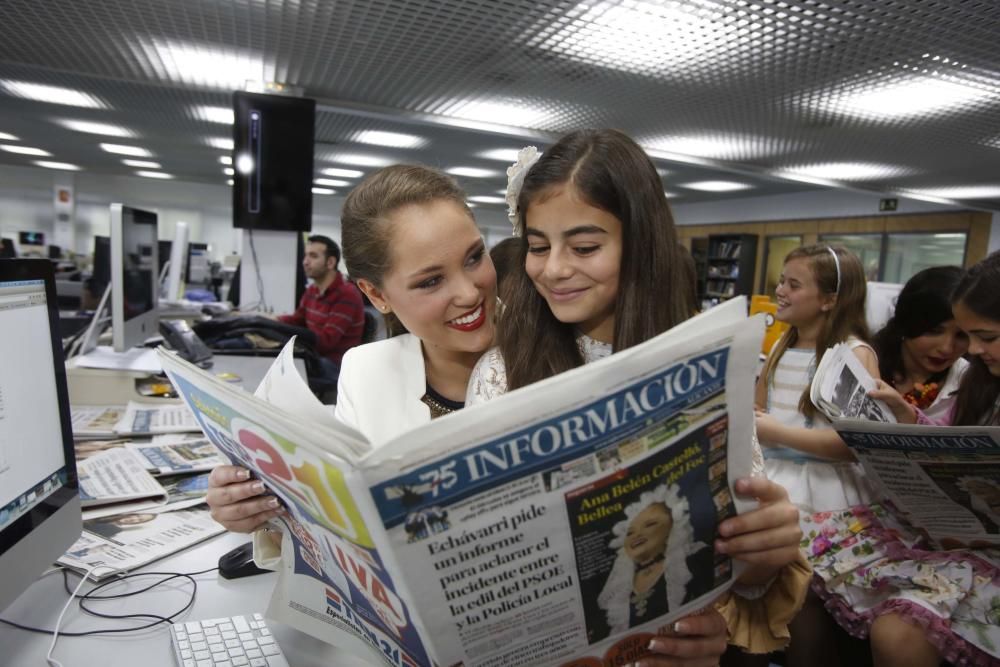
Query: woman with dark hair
{"points": [[921, 346]]}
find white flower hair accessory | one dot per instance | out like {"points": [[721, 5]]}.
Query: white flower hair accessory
{"points": [[526, 157], [614, 598]]}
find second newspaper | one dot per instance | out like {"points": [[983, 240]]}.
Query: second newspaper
{"points": [[507, 533]]}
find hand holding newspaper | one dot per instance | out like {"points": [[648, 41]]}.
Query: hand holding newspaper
{"points": [[500, 534], [943, 480], [840, 388]]}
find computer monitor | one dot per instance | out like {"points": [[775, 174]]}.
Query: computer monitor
{"points": [[134, 278], [100, 269], [31, 238], [197, 264], [39, 497], [164, 248], [55, 252], [173, 289], [7, 250]]}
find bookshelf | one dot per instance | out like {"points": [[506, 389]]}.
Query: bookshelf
{"points": [[699, 251], [730, 265]]}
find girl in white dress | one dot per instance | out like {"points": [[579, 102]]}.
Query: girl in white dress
{"points": [[821, 294]]}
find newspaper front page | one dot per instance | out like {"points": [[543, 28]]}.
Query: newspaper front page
{"points": [[944, 480], [508, 533], [126, 541]]}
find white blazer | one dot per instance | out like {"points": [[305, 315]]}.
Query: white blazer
{"points": [[380, 388]]}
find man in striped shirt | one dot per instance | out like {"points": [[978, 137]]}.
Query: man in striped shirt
{"points": [[331, 307]]}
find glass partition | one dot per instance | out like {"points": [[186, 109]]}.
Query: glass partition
{"points": [[908, 253], [868, 248]]}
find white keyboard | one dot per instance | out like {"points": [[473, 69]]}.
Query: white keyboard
{"points": [[239, 641]]}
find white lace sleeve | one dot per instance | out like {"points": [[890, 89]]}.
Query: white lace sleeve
{"points": [[489, 378]]}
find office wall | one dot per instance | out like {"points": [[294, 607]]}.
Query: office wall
{"points": [[26, 205]]}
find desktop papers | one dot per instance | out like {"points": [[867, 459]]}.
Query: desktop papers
{"points": [[126, 541], [132, 419], [140, 359], [493, 535]]}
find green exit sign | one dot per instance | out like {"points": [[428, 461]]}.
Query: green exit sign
{"points": [[888, 204]]}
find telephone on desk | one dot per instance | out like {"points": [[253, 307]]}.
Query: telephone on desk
{"points": [[185, 341]]}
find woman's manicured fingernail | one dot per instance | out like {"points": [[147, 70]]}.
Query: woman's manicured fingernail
{"points": [[243, 473], [258, 487], [680, 628]]}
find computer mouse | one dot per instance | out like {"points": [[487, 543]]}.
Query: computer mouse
{"points": [[238, 563]]}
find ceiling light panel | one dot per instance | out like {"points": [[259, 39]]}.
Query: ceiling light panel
{"points": [[720, 146], [645, 37], [122, 149], [904, 96], [24, 150], [343, 173], [472, 172], [390, 139], [8, 137], [154, 174], [221, 143], [64, 166], [360, 160], [500, 154], [964, 192], [52, 94], [509, 112], [90, 127], [849, 171], [323, 191], [715, 186], [204, 64], [142, 164], [486, 199], [220, 115]]}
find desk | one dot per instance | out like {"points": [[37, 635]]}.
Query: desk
{"points": [[88, 386], [39, 606]]}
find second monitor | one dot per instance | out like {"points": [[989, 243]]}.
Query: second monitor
{"points": [[134, 275]]}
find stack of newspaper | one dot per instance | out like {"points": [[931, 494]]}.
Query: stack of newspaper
{"points": [[504, 534], [131, 489]]}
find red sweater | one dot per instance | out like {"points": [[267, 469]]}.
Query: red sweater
{"points": [[337, 317]]}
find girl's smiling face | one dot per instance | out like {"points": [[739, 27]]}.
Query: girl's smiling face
{"points": [[574, 257], [800, 301]]}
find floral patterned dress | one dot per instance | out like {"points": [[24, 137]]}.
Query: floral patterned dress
{"points": [[866, 563]]}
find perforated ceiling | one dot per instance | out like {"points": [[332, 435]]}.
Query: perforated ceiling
{"points": [[884, 95]]}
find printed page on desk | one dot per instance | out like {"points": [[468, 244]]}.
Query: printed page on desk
{"points": [[520, 523]]}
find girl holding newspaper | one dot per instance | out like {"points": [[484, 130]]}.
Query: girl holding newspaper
{"points": [[920, 348], [881, 579], [821, 294], [398, 221], [604, 271]]}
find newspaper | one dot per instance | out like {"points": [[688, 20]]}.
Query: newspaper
{"points": [[117, 477], [169, 454], [116, 481], [943, 480], [90, 421], [127, 541], [147, 419], [840, 388], [510, 521]]}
